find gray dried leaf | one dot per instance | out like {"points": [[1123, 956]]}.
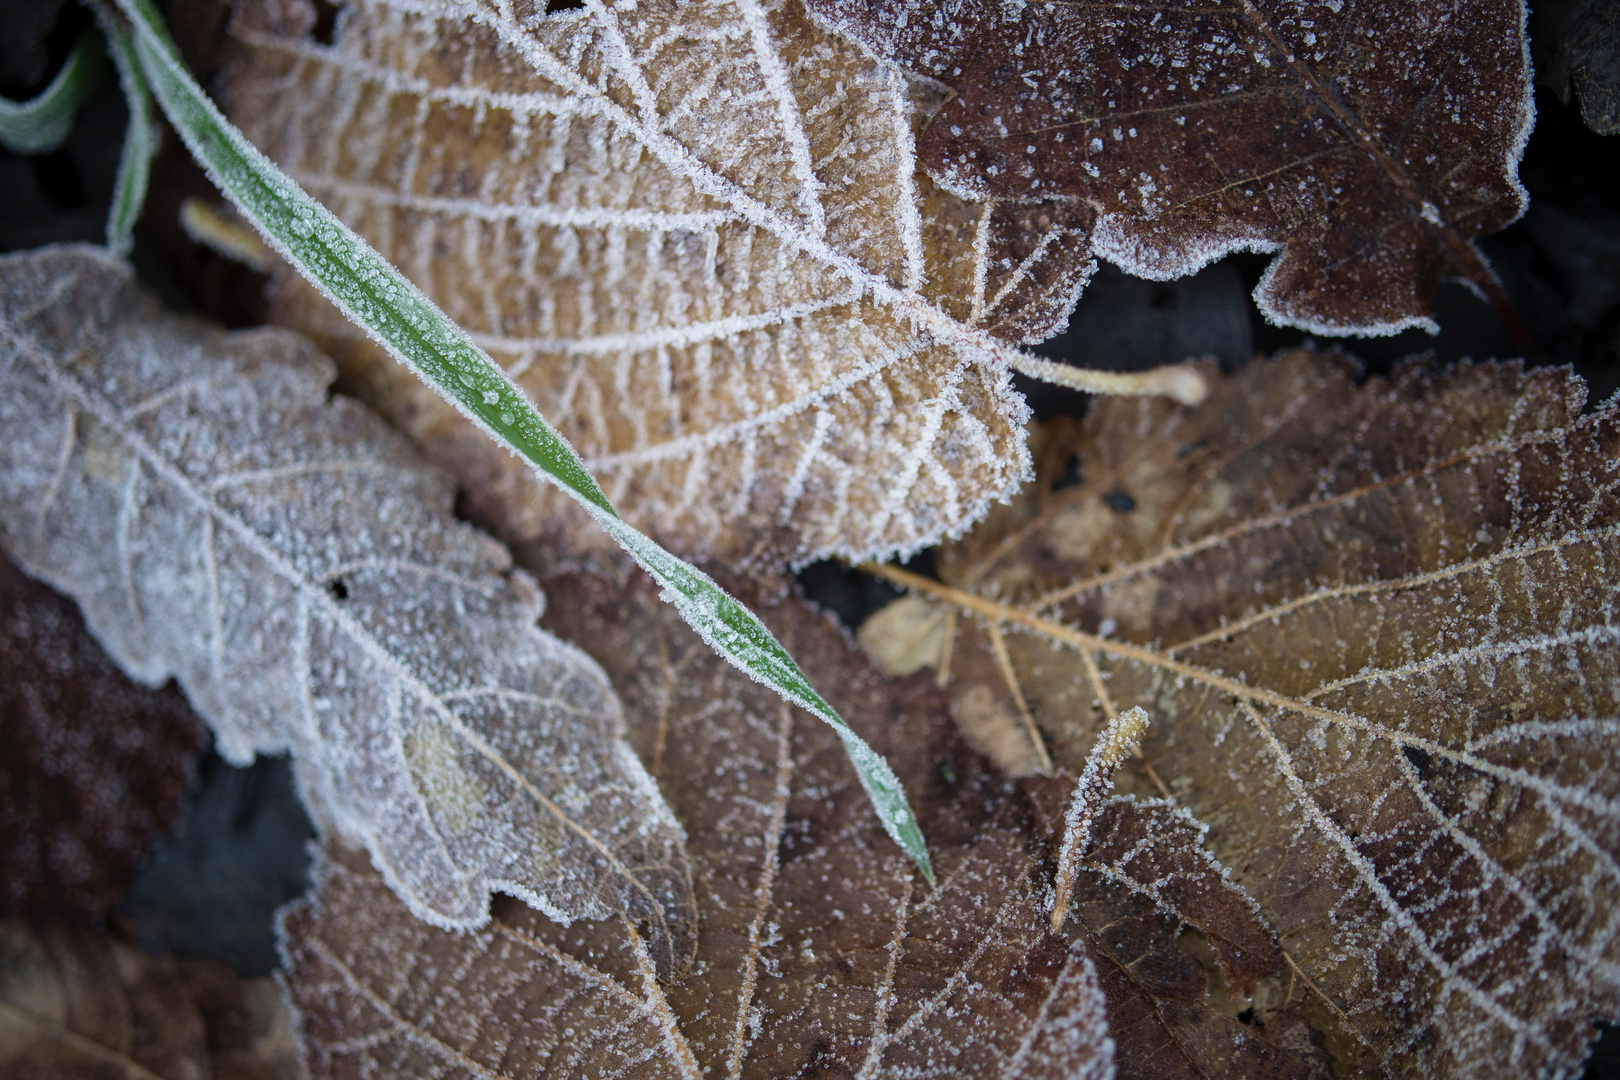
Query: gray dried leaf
{"points": [[296, 567]]}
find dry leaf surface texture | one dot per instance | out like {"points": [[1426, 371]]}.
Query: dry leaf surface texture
{"points": [[295, 566], [1368, 158], [1375, 627], [820, 950], [697, 236]]}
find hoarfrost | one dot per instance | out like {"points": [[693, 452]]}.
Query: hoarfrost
{"points": [[295, 566], [1369, 161], [821, 950], [1376, 626], [710, 259]]}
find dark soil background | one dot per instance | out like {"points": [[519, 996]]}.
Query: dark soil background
{"points": [[240, 848]]}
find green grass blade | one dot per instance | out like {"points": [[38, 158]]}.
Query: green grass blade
{"points": [[396, 314], [42, 123], [140, 142]]}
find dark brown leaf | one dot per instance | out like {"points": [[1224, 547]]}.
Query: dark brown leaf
{"points": [[820, 954], [1375, 626], [79, 1006], [1371, 158], [1196, 985], [93, 768]]}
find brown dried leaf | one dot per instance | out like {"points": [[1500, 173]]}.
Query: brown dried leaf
{"points": [[695, 234], [79, 1006], [819, 951], [92, 767], [1375, 626], [1196, 984], [1369, 157]]}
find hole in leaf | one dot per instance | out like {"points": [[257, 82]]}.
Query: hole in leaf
{"points": [[1119, 502], [338, 588], [1421, 760], [554, 6], [1246, 1016], [326, 15], [1070, 477]]}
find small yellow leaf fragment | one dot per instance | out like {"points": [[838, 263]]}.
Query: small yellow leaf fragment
{"points": [[210, 226], [906, 636], [1118, 739]]}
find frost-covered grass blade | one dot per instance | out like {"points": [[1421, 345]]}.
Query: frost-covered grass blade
{"points": [[41, 124], [140, 141], [415, 332]]}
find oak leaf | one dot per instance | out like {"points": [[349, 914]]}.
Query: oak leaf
{"points": [[294, 564], [696, 236], [1375, 626], [92, 767], [75, 1005], [1369, 160], [820, 951]]}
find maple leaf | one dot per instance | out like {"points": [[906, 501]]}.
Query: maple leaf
{"points": [[1368, 160], [78, 1006], [695, 235], [1375, 626], [92, 767], [295, 566]]}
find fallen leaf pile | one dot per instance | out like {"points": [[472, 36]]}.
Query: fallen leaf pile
{"points": [[769, 264], [1375, 627], [820, 953], [294, 565], [707, 238]]}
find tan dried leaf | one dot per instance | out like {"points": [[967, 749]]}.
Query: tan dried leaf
{"points": [[1375, 626], [696, 234], [295, 565], [75, 1005], [820, 952]]}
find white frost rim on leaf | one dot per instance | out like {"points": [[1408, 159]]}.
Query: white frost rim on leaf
{"points": [[416, 333]]}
